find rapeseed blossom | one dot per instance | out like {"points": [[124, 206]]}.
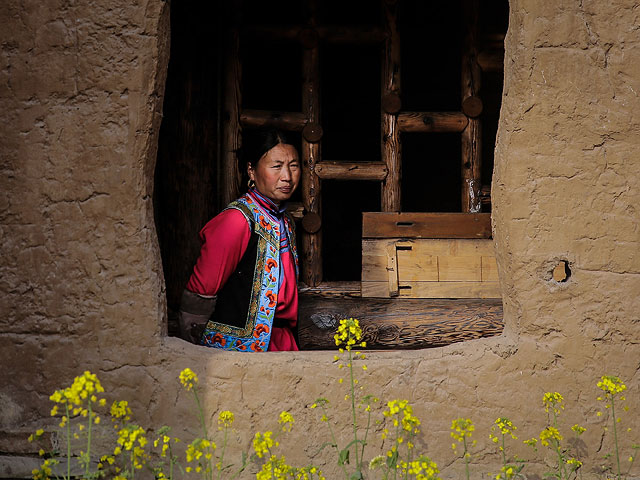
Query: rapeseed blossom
{"points": [[553, 401], [225, 419], [462, 428], [263, 442], [120, 410], [275, 468], [188, 378], [550, 434], [349, 333], [286, 420], [423, 468], [611, 385]]}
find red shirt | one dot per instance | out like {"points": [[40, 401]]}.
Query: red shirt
{"points": [[224, 241]]}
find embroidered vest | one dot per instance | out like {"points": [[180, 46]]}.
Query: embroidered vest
{"points": [[245, 308]]}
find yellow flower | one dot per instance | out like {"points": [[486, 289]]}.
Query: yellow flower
{"points": [[505, 426], [225, 418], [462, 428], [120, 409], [188, 379], [553, 401], [611, 385], [578, 429], [349, 332], [286, 420], [550, 433], [262, 443]]}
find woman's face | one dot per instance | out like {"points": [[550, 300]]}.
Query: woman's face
{"points": [[277, 173]]}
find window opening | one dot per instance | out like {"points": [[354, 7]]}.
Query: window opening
{"points": [[395, 105]]}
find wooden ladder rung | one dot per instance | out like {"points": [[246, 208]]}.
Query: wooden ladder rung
{"points": [[337, 170], [290, 121], [439, 122]]}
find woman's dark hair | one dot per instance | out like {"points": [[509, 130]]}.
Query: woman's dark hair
{"points": [[255, 143]]}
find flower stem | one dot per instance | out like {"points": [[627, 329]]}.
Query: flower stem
{"points": [[224, 446], [615, 435], [68, 477], [86, 468], [466, 457], [353, 412], [200, 414], [333, 439]]}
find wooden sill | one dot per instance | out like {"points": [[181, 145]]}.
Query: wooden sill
{"points": [[393, 323]]}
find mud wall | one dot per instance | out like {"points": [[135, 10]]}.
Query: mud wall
{"points": [[80, 274]]}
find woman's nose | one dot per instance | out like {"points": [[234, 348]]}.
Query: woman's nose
{"points": [[285, 174]]}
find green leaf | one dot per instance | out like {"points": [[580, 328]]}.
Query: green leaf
{"points": [[356, 476], [392, 460], [343, 457]]}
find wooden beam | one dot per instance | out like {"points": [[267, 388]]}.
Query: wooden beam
{"points": [[231, 130], [327, 170], [491, 60], [391, 146], [471, 136], [356, 34], [426, 225], [332, 289], [432, 122], [398, 323], [311, 187], [289, 121]]}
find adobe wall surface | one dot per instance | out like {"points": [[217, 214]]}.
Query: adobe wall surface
{"points": [[80, 274]]}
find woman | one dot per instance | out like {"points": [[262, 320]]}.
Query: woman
{"points": [[243, 289]]}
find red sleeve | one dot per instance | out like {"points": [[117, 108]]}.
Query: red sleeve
{"points": [[224, 240]]}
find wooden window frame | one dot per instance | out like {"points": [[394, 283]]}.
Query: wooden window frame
{"points": [[394, 121]]}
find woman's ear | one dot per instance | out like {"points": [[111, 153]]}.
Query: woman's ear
{"points": [[250, 171]]}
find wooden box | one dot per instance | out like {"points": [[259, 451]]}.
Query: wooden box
{"points": [[426, 255]]}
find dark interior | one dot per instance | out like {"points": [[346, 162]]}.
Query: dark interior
{"points": [[186, 179]]}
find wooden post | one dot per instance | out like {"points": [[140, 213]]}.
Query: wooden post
{"points": [[471, 135], [391, 147], [311, 199], [230, 176]]}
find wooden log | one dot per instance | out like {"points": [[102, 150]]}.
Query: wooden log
{"points": [[491, 60], [269, 32], [439, 122], [472, 107], [485, 195], [471, 136], [312, 132], [426, 225], [289, 121], [311, 191], [309, 37], [356, 34], [296, 210], [231, 130], [391, 147], [433, 290], [398, 323], [391, 103], [332, 170], [311, 222], [332, 289]]}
